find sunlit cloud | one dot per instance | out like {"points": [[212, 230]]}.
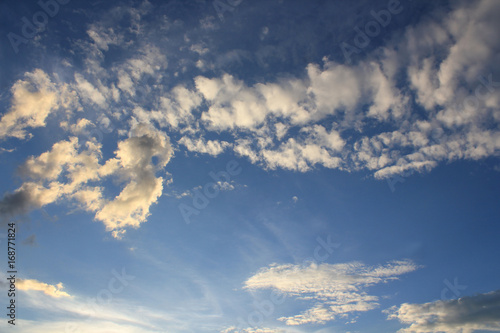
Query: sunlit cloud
{"points": [[337, 289], [469, 314], [48, 289]]}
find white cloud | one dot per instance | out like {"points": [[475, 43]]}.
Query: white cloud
{"points": [[89, 92], [125, 83], [336, 289], [181, 195], [103, 37], [226, 186], [149, 61], [337, 87], [80, 126], [68, 171], [319, 147], [480, 312], [33, 100], [459, 92], [286, 98], [174, 110], [50, 290], [233, 104], [347, 117], [134, 162], [201, 145]]}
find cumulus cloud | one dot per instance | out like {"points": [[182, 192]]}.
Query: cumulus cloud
{"points": [[134, 162], [336, 289], [233, 104], [48, 289], [174, 110], [147, 62], [349, 117], [399, 110], [70, 171], [211, 147], [318, 147], [33, 100], [459, 93], [80, 126], [334, 89], [44, 172], [469, 314], [89, 92]]}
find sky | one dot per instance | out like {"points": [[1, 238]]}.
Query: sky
{"points": [[240, 166]]}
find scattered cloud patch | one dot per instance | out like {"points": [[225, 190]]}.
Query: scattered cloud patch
{"points": [[33, 100], [469, 314], [251, 330], [73, 172], [48, 289], [398, 110], [336, 289], [200, 145]]}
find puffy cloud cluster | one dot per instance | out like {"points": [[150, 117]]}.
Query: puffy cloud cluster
{"points": [[175, 110], [71, 171], [464, 315], [403, 109], [336, 289], [211, 147], [429, 96], [33, 100]]}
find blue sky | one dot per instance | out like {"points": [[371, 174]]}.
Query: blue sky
{"points": [[251, 166]]}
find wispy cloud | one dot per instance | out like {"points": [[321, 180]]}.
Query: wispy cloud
{"points": [[77, 313], [252, 330], [337, 290]]}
